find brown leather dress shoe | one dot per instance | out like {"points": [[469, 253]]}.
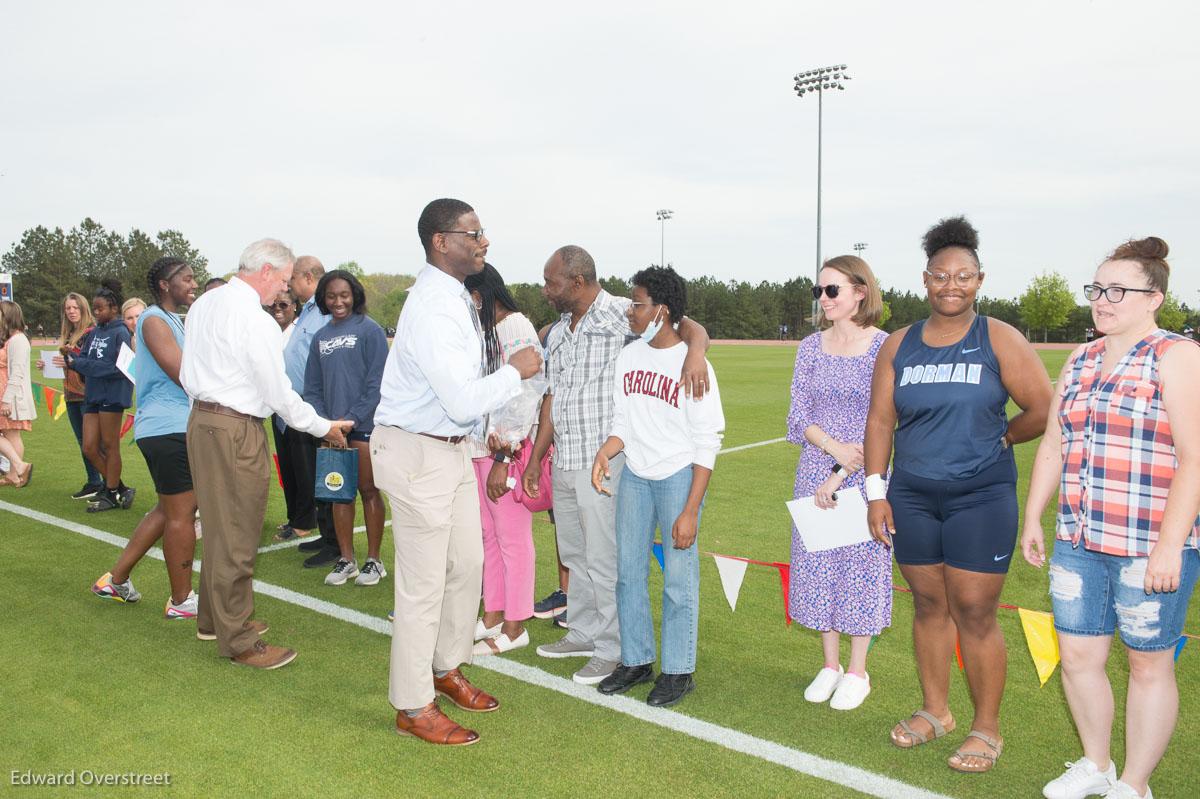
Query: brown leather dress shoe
{"points": [[454, 686], [264, 656], [433, 726], [259, 627]]}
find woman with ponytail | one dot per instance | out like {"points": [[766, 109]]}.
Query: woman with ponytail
{"points": [[1122, 446]]}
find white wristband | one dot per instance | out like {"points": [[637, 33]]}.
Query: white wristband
{"points": [[875, 487]]}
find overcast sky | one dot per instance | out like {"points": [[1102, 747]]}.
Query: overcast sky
{"points": [[1059, 128]]}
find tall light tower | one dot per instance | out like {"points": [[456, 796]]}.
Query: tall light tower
{"points": [[818, 80], [663, 215], [859, 247]]}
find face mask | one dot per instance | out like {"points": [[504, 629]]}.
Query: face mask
{"points": [[652, 329]]}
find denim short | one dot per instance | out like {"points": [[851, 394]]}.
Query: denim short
{"points": [[1094, 594]]}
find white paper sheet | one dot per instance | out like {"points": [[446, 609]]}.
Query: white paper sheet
{"points": [[829, 528], [51, 369], [125, 362]]}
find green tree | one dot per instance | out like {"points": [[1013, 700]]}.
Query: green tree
{"points": [[353, 268], [1047, 303], [885, 315], [387, 312], [1172, 315]]}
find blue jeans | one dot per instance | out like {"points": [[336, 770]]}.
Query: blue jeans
{"points": [[75, 414], [643, 505], [1095, 594]]}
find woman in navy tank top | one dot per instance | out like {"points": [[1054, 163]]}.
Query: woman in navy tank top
{"points": [[950, 511]]}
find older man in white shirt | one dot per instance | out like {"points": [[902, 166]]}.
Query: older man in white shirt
{"points": [[432, 396], [233, 370]]}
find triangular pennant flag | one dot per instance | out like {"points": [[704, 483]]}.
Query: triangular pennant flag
{"points": [[732, 572], [127, 424], [871, 643], [785, 573], [957, 652], [49, 392], [37, 392], [1179, 646], [278, 473], [1042, 641], [658, 555], [62, 406]]}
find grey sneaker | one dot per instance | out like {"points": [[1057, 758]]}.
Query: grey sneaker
{"points": [[105, 588], [564, 648], [372, 572], [343, 570], [595, 670]]}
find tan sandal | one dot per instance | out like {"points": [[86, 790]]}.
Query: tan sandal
{"points": [[915, 738], [997, 744]]}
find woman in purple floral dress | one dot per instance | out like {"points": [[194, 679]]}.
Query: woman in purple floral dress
{"points": [[848, 589]]}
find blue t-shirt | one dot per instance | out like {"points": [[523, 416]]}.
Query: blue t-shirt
{"points": [[345, 368], [950, 405], [163, 405]]}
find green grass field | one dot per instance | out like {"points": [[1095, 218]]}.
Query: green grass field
{"points": [[116, 688]]}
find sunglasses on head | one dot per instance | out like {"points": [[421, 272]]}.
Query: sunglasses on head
{"points": [[830, 291]]}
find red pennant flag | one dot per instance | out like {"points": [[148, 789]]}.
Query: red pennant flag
{"points": [[278, 473], [785, 572], [128, 424], [958, 652], [49, 394]]}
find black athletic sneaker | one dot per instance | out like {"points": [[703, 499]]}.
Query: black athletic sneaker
{"points": [[105, 500], [125, 496], [88, 491], [551, 605]]}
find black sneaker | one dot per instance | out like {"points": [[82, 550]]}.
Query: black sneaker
{"points": [[105, 500], [315, 545], [125, 496], [625, 677], [551, 605], [88, 491], [325, 557], [670, 689]]}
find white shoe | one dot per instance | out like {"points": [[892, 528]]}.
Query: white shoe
{"points": [[495, 644], [482, 632], [1121, 790], [187, 609], [826, 682], [372, 572], [343, 570], [1082, 778], [851, 692]]}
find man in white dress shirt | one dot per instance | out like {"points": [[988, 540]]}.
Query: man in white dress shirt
{"points": [[433, 395], [232, 368]]}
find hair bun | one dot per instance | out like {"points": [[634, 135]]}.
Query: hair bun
{"points": [[112, 284], [1146, 250], [955, 231]]}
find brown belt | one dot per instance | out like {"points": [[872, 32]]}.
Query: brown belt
{"points": [[225, 410], [447, 439]]}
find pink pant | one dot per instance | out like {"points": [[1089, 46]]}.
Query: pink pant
{"points": [[508, 554]]}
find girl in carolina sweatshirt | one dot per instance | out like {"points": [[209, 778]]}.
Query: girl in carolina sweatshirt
{"points": [[107, 393]]}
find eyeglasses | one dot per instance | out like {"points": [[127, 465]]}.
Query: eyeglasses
{"points": [[280, 305], [647, 302], [1112, 293], [963, 279], [475, 234], [830, 291]]}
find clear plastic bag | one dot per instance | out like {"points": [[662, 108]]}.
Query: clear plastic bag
{"points": [[511, 422]]}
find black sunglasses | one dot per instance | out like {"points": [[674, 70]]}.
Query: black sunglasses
{"points": [[830, 291], [280, 305]]}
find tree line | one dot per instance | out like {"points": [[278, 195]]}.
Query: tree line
{"points": [[46, 264]]}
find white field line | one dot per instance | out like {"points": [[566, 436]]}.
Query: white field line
{"points": [[751, 446], [313, 536], [830, 770]]}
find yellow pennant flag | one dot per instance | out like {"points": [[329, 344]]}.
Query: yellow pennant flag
{"points": [[62, 407], [1042, 641]]}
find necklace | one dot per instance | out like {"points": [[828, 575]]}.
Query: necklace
{"points": [[959, 330]]}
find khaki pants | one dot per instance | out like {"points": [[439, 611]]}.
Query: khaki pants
{"points": [[230, 471], [431, 487]]}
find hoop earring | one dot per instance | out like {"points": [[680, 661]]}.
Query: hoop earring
{"points": [[479, 306]]}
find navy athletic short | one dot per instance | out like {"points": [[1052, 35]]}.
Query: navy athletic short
{"points": [[969, 524]]}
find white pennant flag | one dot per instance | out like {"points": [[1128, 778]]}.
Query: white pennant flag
{"points": [[732, 573]]}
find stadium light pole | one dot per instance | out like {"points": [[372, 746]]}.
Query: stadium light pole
{"points": [[859, 247], [663, 215], [818, 80]]}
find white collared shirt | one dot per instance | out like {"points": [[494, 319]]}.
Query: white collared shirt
{"points": [[233, 355], [433, 380]]}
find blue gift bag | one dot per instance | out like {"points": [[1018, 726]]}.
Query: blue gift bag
{"points": [[337, 474]]}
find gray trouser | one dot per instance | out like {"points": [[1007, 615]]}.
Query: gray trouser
{"points": [[585, 522]]}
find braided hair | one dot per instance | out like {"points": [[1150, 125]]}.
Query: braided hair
{"points": [[110, 290], [164, 268], [491, 290]]}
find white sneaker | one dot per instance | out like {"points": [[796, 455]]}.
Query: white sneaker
{"points": [[851, 692], [826, 682], [1121, 790], [1082, 778], [482, 631], [500, 642], [187, 609], [343, 570], [372, 572]]}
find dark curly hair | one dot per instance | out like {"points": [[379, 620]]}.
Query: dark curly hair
{"points": [[1151, 255], [110, 290], [665, 287], [438, 216], [356, 291], [164, 268], [491, 288], [955, 231]]}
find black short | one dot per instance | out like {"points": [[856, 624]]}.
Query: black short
{"points": [[167, 458]]}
